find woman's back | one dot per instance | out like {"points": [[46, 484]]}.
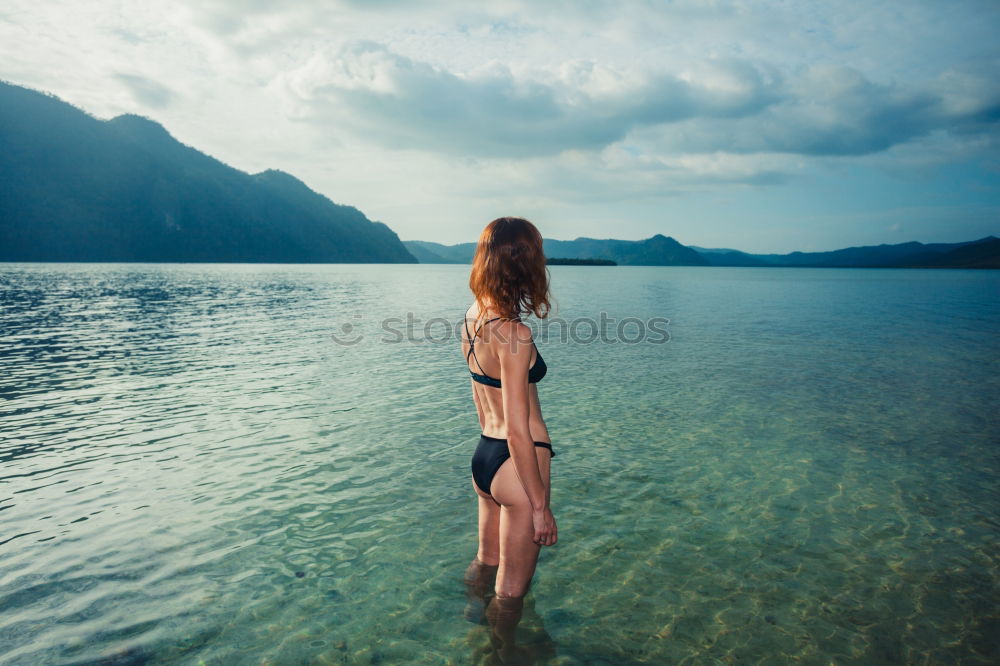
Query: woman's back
{"points": [[479, 343]]}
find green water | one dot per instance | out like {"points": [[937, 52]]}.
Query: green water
{"points": [[192, 469]]}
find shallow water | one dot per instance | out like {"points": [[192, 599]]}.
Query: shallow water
{"points": [[192, 468]]}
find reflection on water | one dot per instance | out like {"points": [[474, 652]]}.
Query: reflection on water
{"points": [[192, 469]]}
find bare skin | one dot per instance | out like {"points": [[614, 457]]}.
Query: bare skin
{"points": [[503, 616], [515, 520]]}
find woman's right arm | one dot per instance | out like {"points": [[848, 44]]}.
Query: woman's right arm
{"points": [[514, 350]]}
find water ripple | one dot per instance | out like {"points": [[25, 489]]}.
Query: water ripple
{"points": [[192, 469]]}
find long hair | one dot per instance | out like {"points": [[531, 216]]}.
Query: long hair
{"points": [[508, 270]]}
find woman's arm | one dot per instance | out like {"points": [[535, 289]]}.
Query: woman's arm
{"points": [[514, 349]]}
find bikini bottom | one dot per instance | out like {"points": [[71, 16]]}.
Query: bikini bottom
{"points": [[491, 452]]}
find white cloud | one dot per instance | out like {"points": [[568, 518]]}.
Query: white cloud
{"points": [[429, 115], [395, 101], [834, 110]]}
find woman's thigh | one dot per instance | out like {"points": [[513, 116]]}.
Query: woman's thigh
{"points": [[489, 528], [518, 551]]}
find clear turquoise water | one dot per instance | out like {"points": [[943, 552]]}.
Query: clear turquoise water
{"points": [[192, 470]]}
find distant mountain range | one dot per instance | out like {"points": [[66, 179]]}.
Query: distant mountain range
{"points": [[665, 251], [982, 253], [560, 261], [659, 250], [75, 188]]}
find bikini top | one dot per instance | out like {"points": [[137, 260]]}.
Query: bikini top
{"points": [[535, 372]]}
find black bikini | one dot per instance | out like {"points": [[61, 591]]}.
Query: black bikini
{"points": [[535, 373], [492, 452]]}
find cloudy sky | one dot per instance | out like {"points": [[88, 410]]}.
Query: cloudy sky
{"points": [[764, 126]]}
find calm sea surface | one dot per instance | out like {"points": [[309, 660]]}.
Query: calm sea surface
{"points": [[194, 470]]}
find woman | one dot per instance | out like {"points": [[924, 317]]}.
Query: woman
{"points": [[510, 467]]}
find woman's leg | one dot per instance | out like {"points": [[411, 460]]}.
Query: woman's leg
{"points": [[489, 529], [518, 552], [480, 576], [479, 580]]}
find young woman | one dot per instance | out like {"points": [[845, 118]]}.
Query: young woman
{"points": [[510, 467]]}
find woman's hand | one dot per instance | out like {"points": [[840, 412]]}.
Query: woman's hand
{"points": [[545, 527]]}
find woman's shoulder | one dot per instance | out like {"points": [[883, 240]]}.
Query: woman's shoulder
{"points": [[510, 328], [514, 331]]}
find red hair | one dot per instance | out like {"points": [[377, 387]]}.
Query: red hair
{"points": [[508, 270]]}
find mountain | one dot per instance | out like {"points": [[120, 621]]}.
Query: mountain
{"points": [[435, 253], [445, 254], [983, 253], [728, 257], [662, 250], [75, 188], [899, 255], [559, 261], [659, 250], [710, 250]]}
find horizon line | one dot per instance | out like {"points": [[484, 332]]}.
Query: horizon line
{"points": [[695, 247]]}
